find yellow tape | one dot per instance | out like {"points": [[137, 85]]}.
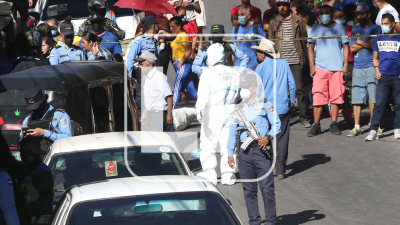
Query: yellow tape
{"points": [[281, 39]]}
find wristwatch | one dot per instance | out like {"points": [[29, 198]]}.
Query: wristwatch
{"points": [[169, 113], [269, 137]]}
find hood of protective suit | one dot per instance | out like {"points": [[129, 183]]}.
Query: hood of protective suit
{"points": [[215, 54]]}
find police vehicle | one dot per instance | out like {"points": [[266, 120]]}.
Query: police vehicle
{"points": [[59, 9], [95, 157], [91, 92], [177, 200]]}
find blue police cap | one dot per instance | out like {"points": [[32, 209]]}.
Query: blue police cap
{"points": [[67, 29], [148, 20], [33, 96], [217, 28]]}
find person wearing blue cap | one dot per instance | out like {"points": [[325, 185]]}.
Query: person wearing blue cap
{"points": [[229, 50], [146, 42], [66, 51], [363, 81], [44, 116]]}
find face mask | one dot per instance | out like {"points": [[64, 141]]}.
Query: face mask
{"points": [[386, 29], [325, 19], [342, 21], [29, 158], [311, 21], [216, 39], [69, 40], [97, 27], [350, 23], [245, 94], [242, 20], [54, 32], [363, 21]]}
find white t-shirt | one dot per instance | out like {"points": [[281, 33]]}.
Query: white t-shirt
{"points": [[388, 9], [190, 14]]}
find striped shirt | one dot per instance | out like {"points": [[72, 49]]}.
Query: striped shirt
{"points": [[288, 50]]}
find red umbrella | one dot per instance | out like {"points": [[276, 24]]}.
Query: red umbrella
{"points": [[160, 6]]}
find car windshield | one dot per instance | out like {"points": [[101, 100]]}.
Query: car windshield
{"points": [[89, 166], [78, 9], [190, 208]]}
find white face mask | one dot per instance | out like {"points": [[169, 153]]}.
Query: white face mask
{"points": [[245, 94]]}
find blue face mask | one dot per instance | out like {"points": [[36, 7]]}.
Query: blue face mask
{"points": [[325, 19], [342, 21], [351, 23], [386, 29], [54, 32], [242, 20], [184, 19]]}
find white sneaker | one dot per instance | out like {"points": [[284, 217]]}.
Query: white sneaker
{"points": [[228, 179], [371, 136], [210, 175], [397, 134]]}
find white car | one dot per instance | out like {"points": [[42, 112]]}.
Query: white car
{"points": [[167, 200], [94, 157], [78, 9]]}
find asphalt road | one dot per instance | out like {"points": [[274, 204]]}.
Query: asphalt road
{"points": [[332, 179]]}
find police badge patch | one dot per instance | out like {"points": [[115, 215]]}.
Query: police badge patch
{"points": [[64, 123], [271, 109]]}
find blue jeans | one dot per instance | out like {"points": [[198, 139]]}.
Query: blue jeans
{"points": [[385, 84]]}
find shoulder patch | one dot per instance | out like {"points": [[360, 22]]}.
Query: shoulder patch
{"points": [[64, 123], [271, 109], [58, 46], [52, 55]]}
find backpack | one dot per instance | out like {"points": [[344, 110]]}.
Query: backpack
{"points": [[255, 28]]}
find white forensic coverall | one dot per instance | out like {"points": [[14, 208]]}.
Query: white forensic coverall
{"points": [[218, 90]]}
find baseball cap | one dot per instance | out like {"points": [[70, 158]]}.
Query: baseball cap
{"points": [[217, 28], [67, 29], [308, 12], [32, 97], [147, 56], [247, 79], [282, 1], [267, 46], [362, 8], [148, 20]]}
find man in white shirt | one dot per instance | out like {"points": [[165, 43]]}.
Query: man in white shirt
{"points": [[385, 7], [157, 96]]}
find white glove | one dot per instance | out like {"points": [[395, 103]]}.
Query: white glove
{"points": [[200, 118], [200, 114]]}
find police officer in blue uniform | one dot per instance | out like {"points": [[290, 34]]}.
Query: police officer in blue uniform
{"points": [[254, 163], [230, 50], [8, 211], [66, 51], [46, 122], [144, 43], [37, 185]]}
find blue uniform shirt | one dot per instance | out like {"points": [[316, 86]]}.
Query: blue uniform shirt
{"points": [[61, 123], [202, 58], [140, 45], [63, 53], [261, 112], [7, 203], [285, 86]]}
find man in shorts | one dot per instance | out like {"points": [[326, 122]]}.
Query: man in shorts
{"points": [[328, 69]]}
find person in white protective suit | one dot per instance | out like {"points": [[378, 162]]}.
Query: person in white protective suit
{"points": [[217, 94]]}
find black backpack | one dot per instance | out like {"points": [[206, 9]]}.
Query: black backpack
{"points": [[255, 28]]}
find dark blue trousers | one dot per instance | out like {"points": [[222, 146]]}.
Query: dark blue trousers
{"points": [[385, 84], [255, 164]]}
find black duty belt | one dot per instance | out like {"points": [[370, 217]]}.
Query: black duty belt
{"points": [[253, 144]]}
